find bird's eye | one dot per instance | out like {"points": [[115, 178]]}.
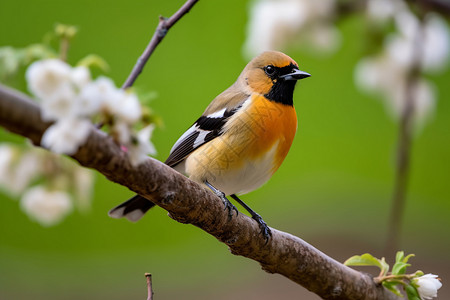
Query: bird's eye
{"points": [[270, 70]]}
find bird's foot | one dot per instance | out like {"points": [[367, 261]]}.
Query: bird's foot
{"points": [[265, 230], [228, 205]]}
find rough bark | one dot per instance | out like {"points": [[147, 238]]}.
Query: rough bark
{"points": [[188, 202]]}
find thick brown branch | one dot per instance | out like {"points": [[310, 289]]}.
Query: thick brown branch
{"points": [[160, 32], [188, 202]]}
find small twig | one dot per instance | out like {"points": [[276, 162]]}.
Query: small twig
{"points": [[160, 32], [149, 286], [64, 48]]}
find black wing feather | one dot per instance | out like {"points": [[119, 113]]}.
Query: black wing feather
{"points": [[214, 127]]}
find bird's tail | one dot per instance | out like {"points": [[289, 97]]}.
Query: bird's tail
{"points": [[132, 209]]}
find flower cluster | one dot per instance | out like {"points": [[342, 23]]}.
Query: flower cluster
{"points": [[275, 23], [70, 98], [42, 181], [417, 285], [412, 44], [415, 44]]}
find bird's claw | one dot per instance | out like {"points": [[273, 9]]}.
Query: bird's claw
{"points": [[265, 230], [227, 205]]}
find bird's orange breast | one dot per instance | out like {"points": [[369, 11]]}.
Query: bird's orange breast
{"points": [[254, 144], [263, 125]]}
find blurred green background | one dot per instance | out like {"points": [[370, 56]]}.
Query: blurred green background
{"points": [[333, 190]]}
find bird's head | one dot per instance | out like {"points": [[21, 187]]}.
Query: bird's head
{"points": [[274, 75]]}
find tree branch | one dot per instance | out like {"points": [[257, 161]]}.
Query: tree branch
{"points": [[189, 202], [160, 32]]}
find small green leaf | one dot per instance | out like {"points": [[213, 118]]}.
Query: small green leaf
{"points": [[384, 266], [64, 31], [412, 292], [37, 52], [392, 286], [399, 268], [401, 263], [94, 61], [405, 260], [368, 260], [399, 256], [363, 260]]}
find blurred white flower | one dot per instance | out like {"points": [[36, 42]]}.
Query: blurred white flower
{"points": [[382, 76], [383, 10], [426, 45], [428, 285], [123, 105], [80, 76], [423, 101], [138, 151], [128, 107], [46, 77], [59, 105], [44, 206], [17, 168], [101, 90], [433, 37], [66, 136], [83, 184], [6, 158], [89, 100], [121, 131], [275, 23], [24, 171], [437, 43]]}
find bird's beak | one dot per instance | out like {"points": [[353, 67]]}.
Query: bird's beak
{"points": [[295, 75]]}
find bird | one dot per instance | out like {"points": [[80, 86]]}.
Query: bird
{"points": [[240, 140]]}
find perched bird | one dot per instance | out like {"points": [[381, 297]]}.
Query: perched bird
{"points": [[241, 139]]}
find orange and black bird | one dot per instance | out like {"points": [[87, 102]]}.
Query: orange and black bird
{"points": [[241, 139]]}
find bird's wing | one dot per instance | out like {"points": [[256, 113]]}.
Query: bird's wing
{"points": [[207, 127]]}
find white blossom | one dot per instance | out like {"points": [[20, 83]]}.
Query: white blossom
{"points": [[65, 136], [432, 37], [428, 285], [102, 90], [275, 23], [121, 131], [423, 99], [437, 43], [83, 181], [128, 107], [425, 44], [383, 10], [44, 206], [89, 100], [382, 76], [46, 77], [17, 168], [60, 104], [24, 171], [80, 76], [6, 158], [123, 105], [138, 151]]}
